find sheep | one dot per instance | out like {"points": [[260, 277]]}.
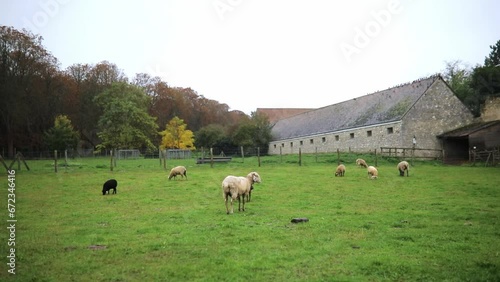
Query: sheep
{"points": [[361, 163], [402, 166], [340, 171], [178, 170], [372, 172], [238, 187], [108, 185]]}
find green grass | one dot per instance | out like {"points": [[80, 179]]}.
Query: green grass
{"points": [[440, 224]]}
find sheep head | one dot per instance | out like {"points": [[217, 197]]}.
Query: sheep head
{"points": [[254, 176]]}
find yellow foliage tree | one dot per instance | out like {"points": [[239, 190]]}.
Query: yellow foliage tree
{"points": [[176, 136]]}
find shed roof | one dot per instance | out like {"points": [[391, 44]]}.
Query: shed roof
{"points": [[468, 129], [376, 108]]}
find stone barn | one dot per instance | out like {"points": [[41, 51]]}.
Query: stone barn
{"points": [[396, 117]]}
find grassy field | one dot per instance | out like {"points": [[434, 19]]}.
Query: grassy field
{"points": [[440, 224]]}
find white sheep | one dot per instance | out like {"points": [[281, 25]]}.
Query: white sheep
{"points": [[178, 170], [372, 172], [402, 166], [361, 162], [340, 171], [238, 187]]}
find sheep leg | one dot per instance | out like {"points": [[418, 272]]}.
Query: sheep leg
{"points": [[225, 202]]}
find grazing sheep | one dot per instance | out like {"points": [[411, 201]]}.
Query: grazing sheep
{"points": [[402, 166], [108, 185], [340, 171], [238, 187], [372, 172], [178, 170], [361, 163]]}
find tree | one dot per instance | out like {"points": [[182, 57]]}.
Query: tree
{"points": [[27, 76], [210, 135], [176, 136], [254, 133], [458, 77], [125, 123], [61, 136], [493, 59], [262, 135]]}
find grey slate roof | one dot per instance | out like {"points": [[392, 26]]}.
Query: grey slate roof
{"points": [[379, 107]]}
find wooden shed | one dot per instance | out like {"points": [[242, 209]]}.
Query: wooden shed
{"points": [[475, 141]]}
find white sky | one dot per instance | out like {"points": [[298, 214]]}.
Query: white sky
{"points": [[253, 54]]}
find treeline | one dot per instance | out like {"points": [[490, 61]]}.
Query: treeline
{"points": [[473, 85], [34, 91]]}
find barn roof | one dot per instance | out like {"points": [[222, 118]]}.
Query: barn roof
{"points": [[468, 129], [376, 108]]}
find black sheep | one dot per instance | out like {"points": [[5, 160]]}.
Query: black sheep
{"points": [[108, 185]]}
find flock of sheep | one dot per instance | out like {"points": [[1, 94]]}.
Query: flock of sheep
{"points": [[240, 187], [372, 171]]}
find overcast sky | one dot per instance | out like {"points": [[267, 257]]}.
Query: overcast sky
{"points": [[253, 54]]}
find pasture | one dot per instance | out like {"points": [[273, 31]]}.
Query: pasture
{"points": [[440, 224]]}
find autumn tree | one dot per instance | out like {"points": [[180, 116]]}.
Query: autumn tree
{"points": [[62, 135], [177, 136], [125, 122], [27, 75]]}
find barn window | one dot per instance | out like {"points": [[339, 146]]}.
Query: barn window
{"points": [[323, 139], [274, 146], [351, 135], [369, 133], [291, 144], [336, 138], [311, 141], [301, 142], [390, 130], [283, 145]]}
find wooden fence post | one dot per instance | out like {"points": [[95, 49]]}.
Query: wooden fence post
{"points": [[281, 155], [211, 157], [258, 155], [376, 158], [111, 160], [242, 154], [164, 157], [300, 156], [338, 157], [55, 160]]}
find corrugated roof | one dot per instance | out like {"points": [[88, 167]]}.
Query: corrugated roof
{"points": [[379, 107], [468, 129]]}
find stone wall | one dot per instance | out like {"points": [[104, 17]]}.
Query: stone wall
{"points": [[364, 139], [437, 111], [491, 109]]}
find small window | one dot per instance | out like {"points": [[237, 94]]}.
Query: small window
{"points": [[274, 146], [283, 145], [291, 144], [311, 141], [336, 138], [390, 130], [369, 133], [352, 135], [323, 139], [301, 142]]}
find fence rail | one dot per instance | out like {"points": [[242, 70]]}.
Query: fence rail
{"points": [[410, 152]]}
